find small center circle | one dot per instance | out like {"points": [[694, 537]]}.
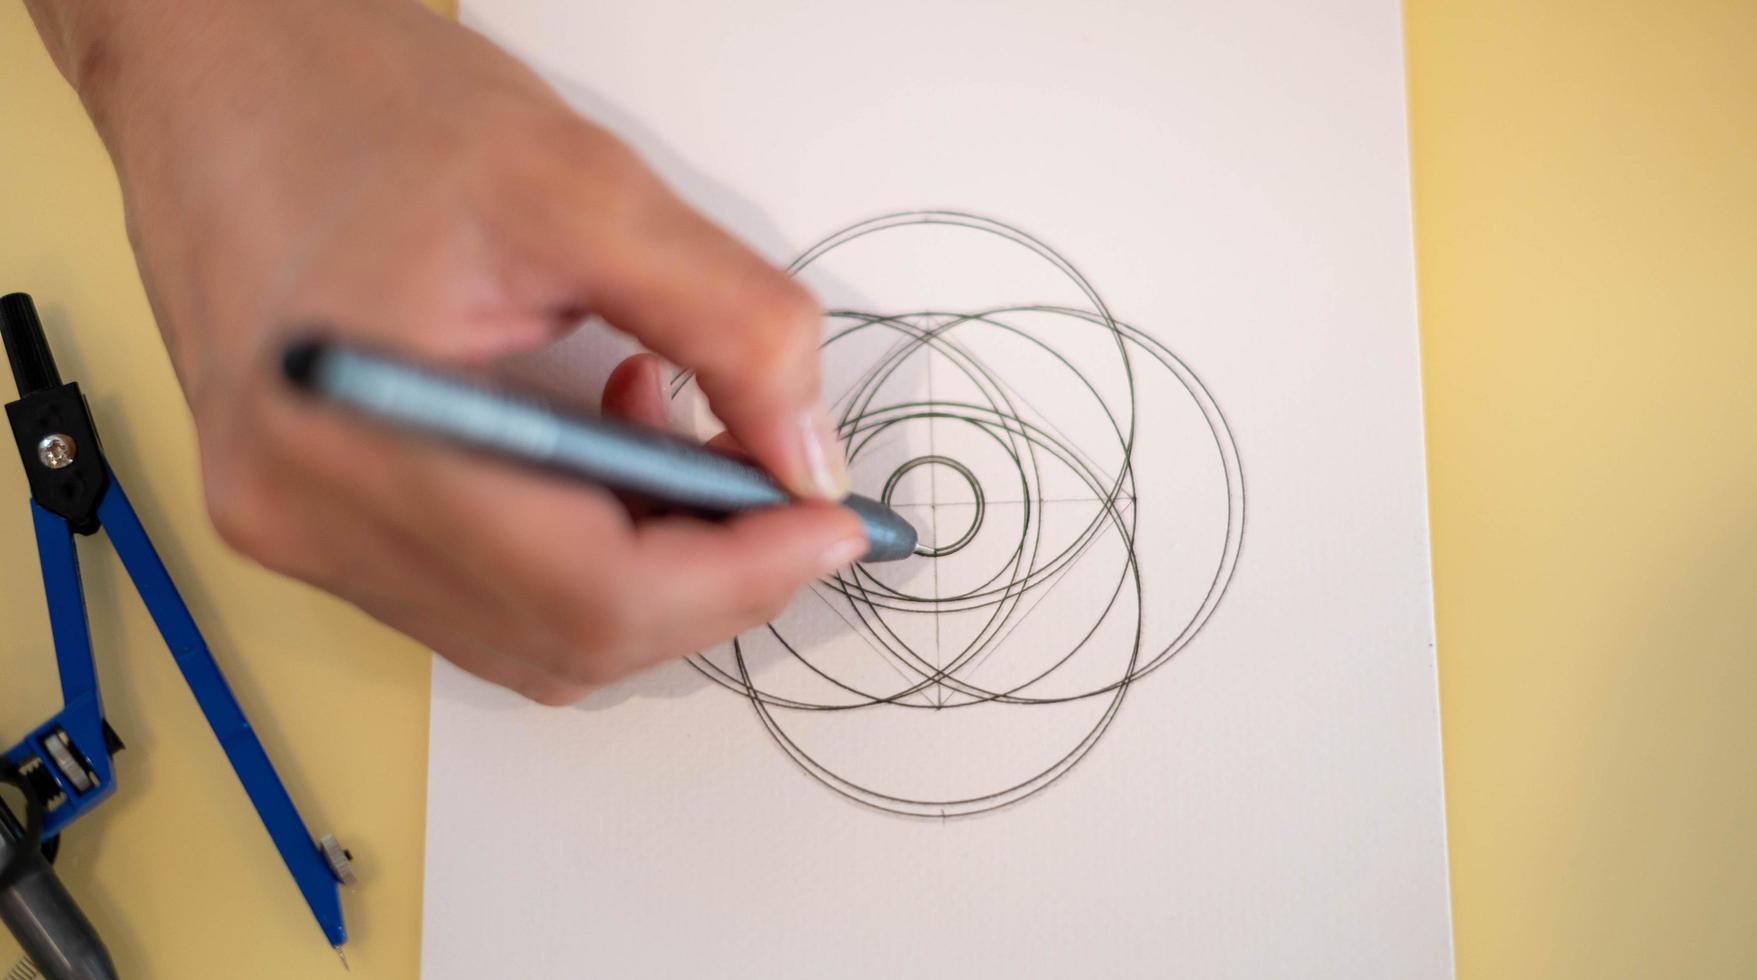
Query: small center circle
{"points": [[974, 502]]}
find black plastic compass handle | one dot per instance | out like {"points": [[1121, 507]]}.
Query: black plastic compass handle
{"points": [[33, 367]]}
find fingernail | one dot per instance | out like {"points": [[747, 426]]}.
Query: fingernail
{"points": [[825, 466], [841, 554]]}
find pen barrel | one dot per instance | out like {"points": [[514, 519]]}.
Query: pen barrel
{"points": [[613, 454], [660, 468]]}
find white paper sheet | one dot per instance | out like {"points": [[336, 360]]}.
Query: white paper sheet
{"points": [[1139, 276]]}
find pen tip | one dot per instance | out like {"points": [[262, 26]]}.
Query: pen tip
{"points": [[889, 536]]}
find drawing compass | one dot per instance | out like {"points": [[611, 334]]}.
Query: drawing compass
{"points": [[64, 766]]}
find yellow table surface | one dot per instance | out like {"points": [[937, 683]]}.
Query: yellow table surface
{"points": [[1586, 218]]}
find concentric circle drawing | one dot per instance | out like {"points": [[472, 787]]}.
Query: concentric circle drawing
{"points": [[1081, 509]]}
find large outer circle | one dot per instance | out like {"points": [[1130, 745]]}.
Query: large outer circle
{"points": [[868, 413]]}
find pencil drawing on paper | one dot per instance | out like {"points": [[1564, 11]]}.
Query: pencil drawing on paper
{"points": [[1081, 508]]}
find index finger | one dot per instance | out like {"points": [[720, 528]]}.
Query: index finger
{"points": [[670, 278]]}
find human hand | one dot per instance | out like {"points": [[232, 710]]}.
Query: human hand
{"points": [[365, 164]]}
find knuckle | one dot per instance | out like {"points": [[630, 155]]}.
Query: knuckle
{"points": [[608, 630], [569, 137], [515, 149], [617, 181], [596, 636], [781, 322]]}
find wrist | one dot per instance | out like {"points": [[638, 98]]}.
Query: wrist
{"points": [[170, 87]]}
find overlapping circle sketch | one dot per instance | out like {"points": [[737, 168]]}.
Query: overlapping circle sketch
{"points": [[1081, 508]]}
